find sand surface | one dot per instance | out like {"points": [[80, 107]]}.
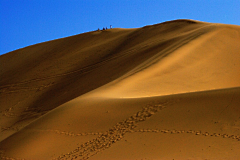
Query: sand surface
{"points": [[165, 91]]}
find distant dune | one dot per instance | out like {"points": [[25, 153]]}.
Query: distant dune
{"points": [[165, 91]]}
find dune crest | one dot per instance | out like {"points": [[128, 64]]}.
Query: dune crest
{"points": [[165, 91], [208, 62]]}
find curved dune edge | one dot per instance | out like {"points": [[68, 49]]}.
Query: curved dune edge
{"points": [[207, 63], [114, 128], [124, 94]]}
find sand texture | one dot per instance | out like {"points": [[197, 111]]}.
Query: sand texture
{"points": [[165, 91]]}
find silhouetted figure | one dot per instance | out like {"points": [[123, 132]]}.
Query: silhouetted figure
{"points": [[110, 26], [103, 28], [106, 28]]}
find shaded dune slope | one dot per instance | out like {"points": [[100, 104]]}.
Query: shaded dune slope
{"points": [[114, 74], [69, 67]]}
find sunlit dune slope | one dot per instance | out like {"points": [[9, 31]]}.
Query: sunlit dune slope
{"points": [[105, 94], [208, 62], [200, 125]]}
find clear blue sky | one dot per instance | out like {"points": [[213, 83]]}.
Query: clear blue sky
{"points": [[27, 22]]}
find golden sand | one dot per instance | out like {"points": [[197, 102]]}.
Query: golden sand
{"points": [[165, 91]]}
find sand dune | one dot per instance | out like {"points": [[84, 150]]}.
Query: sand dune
{"points": [[165, 91]]}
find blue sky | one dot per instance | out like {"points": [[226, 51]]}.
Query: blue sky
{"points": [[27, 22]]}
